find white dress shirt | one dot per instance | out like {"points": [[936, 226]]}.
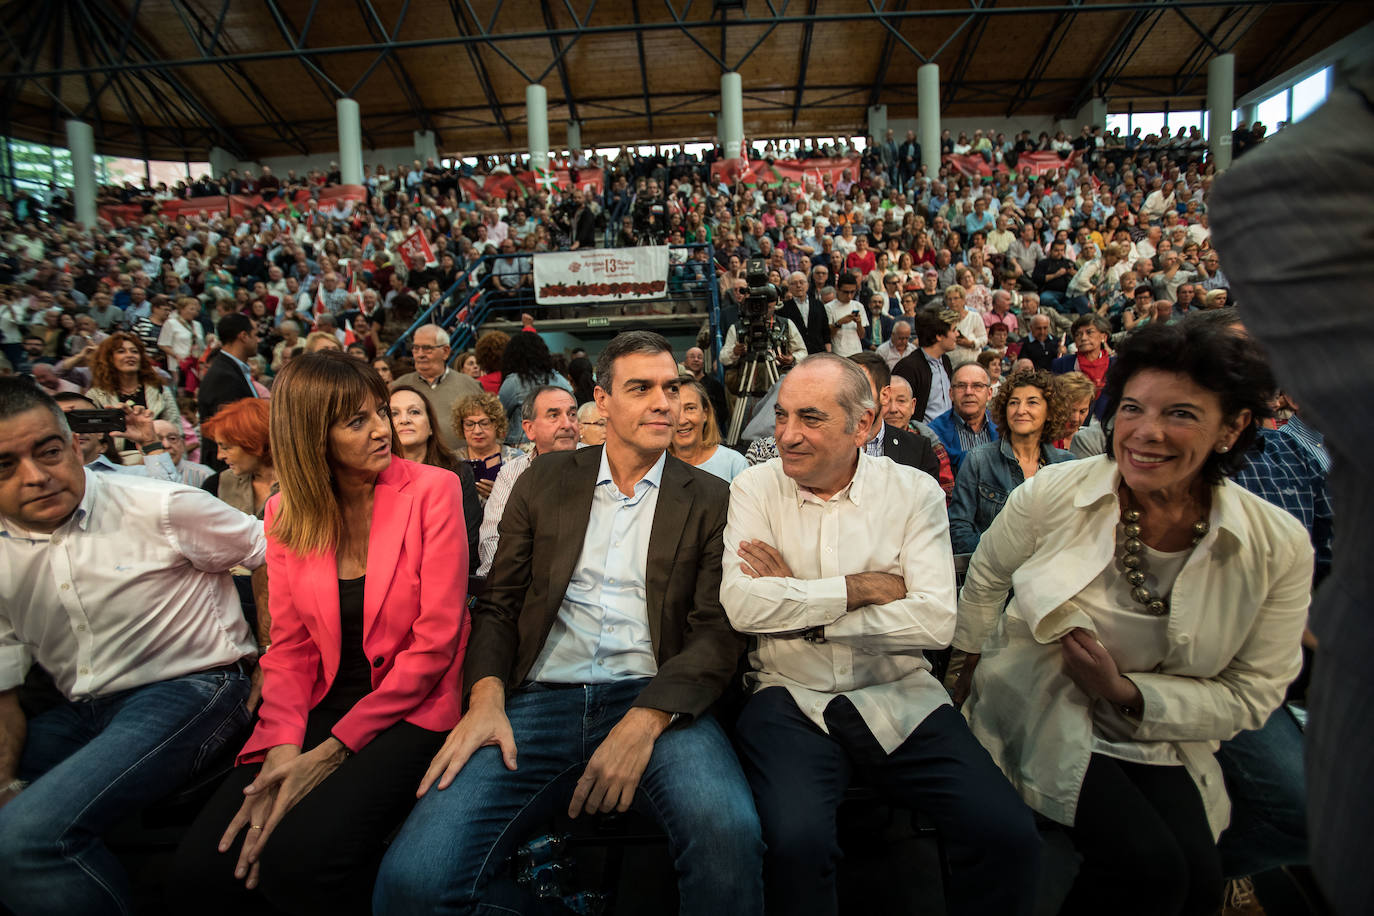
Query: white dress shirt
{"points": [[601, 633], [849, 339], [133, 589], [890, 518]]}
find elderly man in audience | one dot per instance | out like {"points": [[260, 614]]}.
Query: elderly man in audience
{"points": [[443, 386], [604, 595], [174, 441], [840, 687], [898, 346], [591, 426], [119, 588], [550, 418]]}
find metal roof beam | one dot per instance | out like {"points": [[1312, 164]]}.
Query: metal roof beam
{"points": [[805, 60], [1041, 62], [1110, 59], [558, 52], [494, 39], [643, 68], [479, 66]]}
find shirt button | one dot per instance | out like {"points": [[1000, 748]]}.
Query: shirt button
{"points": [[57, 541], [66, 586], [611, 581], [610, 629], [84, 670], [844, 670], [81, 628], [600, 662]]}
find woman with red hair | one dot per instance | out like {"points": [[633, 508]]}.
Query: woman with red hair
{"points": [[240, 430]]}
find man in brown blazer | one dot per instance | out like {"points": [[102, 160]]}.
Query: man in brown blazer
{"points": [[595, 655]]}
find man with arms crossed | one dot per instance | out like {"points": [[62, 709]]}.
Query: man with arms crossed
{"points": [[843, 584], [119, 587], [595, 656]]}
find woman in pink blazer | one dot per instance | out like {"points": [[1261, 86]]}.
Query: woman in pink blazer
{"points": [[367, 561]]}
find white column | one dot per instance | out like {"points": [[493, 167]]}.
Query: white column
{"points": [[1249, 112], [574, 137], [1094, 114], [350, 141], [1221, 98], [537, 125], [221, 161], [426, 147], [928, 116], [81, 144], [731, 115], [877, 123]]}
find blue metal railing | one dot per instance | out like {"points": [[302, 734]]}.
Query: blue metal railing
{"points": [[470, 301]]}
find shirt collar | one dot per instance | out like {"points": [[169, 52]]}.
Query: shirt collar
{"points": [[247, 369], [1103, 481], [853, 491], [653, 478]]}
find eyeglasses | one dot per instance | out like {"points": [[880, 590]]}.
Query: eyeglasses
{"points": [[421, 348], [484, 423], [970, 386], [595, 423]]}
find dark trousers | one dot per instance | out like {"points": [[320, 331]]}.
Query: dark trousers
{"points": [[799, 775], [323, 856], [1146, 845]]}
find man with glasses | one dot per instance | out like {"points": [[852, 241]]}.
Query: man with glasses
{"points": [[848, 320], [174, 441], [966, 425], [443, 386]]}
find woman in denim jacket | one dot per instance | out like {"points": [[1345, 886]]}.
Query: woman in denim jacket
{"points": [[1028, 412]]}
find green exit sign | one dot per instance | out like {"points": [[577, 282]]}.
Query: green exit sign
{"points": [[598, 322]]}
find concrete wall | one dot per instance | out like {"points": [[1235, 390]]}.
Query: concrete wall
{"points": [[1009, 126], [393, 156]]}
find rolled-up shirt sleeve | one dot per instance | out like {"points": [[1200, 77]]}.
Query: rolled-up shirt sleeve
{"points": [[14, 656]]}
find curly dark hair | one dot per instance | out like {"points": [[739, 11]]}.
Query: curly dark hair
{"points": [[1057, 406], [103, 373], [1216, 358], [528, 357], [489, 350]]}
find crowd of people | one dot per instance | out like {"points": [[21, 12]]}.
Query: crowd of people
{"points": [[513, 582]]}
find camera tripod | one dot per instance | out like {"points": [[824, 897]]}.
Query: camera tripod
{"points": [[749, 375]]}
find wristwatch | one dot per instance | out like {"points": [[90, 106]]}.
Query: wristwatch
{"points": [[150, 447]]}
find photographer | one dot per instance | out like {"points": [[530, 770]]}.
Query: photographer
{"points": [[120, 589], [650, 214], [761, 326], [91, 428]]}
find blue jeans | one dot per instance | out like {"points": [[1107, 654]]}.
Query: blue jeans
{"points": [[455, 840], [1265, 779], [94, 762]]}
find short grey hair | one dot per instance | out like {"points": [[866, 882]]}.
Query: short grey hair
{"points": [[529, 408], [854, 393], [440, 335]]}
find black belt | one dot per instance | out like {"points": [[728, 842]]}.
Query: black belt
{"points": [[242, 666]]}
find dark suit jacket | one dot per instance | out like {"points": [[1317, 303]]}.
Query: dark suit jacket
{"points": [[907, 448], [223, 384], [1041, 353], [815, 330], [916, 371], [542, 533]]}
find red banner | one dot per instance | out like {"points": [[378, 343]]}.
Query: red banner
{"points": [[415, 251], [786, 171], [235, 205], [498, 185], [1035, 164]]}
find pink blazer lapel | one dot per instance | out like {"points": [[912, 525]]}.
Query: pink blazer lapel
{"points": [[391, 508]]}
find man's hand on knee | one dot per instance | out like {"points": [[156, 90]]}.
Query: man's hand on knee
{"points": [[484, 724], [612, 775]]}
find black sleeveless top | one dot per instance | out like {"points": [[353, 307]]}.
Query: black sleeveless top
{"points": [[354, 680]]}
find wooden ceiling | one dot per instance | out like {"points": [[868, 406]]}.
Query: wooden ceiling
{"points": [[165, 79]]}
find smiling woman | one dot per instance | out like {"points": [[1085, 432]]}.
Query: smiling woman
{"points": [[1158, 609]]}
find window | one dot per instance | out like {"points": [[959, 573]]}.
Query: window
{"points": [[1309, 94], [1185, 119], [1273, 110], [1151, 122], [1120, 122]]}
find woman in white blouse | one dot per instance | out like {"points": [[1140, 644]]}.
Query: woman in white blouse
{"points": [[181, 334], [1158, 610]]}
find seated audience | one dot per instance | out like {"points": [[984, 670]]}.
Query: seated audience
{"points": [[1028, 411], [1158, 610], [1083, 434], [967, 424], [528, 366], [119, 589], [482, 422], [840, 687], [415, 421], [241, 433], [369, 629], [591, 426], [696, 440]]}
